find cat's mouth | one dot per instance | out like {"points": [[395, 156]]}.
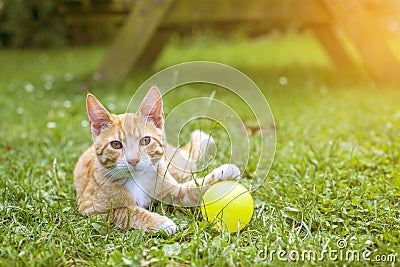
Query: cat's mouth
{"points": [[139, 168]]}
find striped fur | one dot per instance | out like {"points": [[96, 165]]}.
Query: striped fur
{"points": [[123, 182]]}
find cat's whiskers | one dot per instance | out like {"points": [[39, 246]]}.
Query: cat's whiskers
{"points": [[123, 171], [118, 172]]}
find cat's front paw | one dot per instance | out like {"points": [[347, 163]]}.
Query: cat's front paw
{"points": [[168, 226], [225, 172]]}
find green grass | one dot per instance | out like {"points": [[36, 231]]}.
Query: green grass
{"points": [[335, 176]]}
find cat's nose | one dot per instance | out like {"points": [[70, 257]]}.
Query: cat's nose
{"points": [[133, 162]]}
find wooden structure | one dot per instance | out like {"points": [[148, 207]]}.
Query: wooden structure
{"points": [[147, 24]]}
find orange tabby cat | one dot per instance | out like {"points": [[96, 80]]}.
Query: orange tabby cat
{"points": [[127, 167]]}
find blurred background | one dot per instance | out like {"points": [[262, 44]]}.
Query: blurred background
{"points": [[359, 39]]}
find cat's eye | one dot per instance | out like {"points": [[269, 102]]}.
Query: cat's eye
{"points": [[144, 141], [116, 144]]}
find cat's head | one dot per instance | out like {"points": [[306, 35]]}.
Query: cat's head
{"points": [[128, 142]]}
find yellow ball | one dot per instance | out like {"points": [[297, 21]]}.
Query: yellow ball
{"points": [[229, 205]]}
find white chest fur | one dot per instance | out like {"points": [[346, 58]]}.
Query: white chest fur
{"points": [[141, 186]]}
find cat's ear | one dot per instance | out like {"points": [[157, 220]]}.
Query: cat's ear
{"points": [[152, 107], [99, 117]]}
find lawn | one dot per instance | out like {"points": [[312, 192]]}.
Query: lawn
{"points": [[331, 196]]}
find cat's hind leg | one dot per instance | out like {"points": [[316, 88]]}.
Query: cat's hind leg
{"points": [[199, 145], [186, 160]]}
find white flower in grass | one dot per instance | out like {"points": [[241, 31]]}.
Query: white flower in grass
{"points": [[29, 87], [51, 125], [111, 106], [67, 104], [48, 85], [283, 80], [68, 76]]}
